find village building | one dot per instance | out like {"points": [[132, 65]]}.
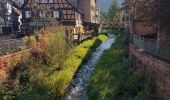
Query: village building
{"points": [[42, 13], [10, 17]]}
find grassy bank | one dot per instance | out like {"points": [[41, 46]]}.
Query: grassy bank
{"points": [[49, 70], [113, 79]]}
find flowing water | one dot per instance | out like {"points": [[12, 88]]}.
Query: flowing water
{"points": [[77, 89]]}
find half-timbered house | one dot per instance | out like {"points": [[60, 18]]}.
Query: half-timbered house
{"points": [[10, 17], [75, 14], [40, 13]]}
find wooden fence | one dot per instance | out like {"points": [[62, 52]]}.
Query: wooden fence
{"points": [[79, 37]]}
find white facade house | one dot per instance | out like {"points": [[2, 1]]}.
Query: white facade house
{"points": [[5, 18], [10, 20]]}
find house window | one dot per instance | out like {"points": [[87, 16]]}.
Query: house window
{"points": [[42, 14], [56, 14], [51, 1], [27, 14], [44, 1]]}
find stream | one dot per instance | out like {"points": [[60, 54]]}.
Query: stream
{"points": [[77, 89]]}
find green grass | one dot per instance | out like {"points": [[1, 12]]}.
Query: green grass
{"points": [[76, 58], [114, 80]]}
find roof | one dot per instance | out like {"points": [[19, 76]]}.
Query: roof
{"points": [[13, 3], [76, 8]]}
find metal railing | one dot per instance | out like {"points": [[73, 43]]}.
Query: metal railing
{"points": [[10, 46], [151, 46]]}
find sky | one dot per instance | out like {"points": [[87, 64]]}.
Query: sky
{"points": [[106, 3]]}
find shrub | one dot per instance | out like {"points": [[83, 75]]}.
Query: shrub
{"points": [[50, 70], [29, 41], [57, 49]]}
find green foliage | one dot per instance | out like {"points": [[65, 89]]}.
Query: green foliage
{"points": [[29, 41], [113, 13], [115, 80], [57, 49]]}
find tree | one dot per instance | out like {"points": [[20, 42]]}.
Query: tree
{"points": [[153, 11], [162, 13], [104, 14], [113, 13]]}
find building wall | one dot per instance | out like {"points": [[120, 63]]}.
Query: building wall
{"points": [[141, 28], [8, 17], [89, 9], [74, 2], [151, 68], [164, 37]]}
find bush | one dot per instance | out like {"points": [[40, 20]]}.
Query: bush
{"points": [[29, 41], [57, 50], [51, 68]]}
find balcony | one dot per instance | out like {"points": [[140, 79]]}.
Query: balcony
{"points": [[161, 50]]}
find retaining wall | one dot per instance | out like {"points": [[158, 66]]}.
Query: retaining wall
{"points": [[150, 67], [9, 61]]}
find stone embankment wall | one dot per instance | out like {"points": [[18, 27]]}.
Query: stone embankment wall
{"points": [[150, 67], [9, 61]]}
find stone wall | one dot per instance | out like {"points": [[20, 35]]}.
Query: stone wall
{"points": [[164, 37], [150, 67], [8, 62]]}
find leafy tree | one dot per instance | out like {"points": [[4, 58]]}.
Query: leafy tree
{"points": [[104, 14], [113, 13], [154, 11], [162, 13]]}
